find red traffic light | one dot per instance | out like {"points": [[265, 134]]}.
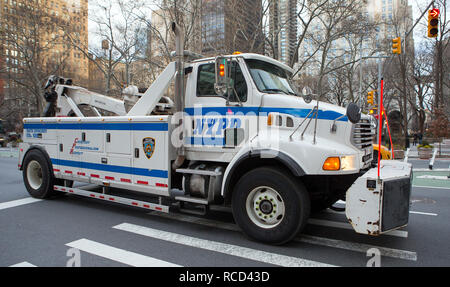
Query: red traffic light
{"points": [[433, 23], [434, 12]]}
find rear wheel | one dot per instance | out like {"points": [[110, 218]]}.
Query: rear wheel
{"points": [[270, 206], [37, 176]]}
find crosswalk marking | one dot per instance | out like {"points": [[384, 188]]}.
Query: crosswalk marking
{"points": [[18, 202], [341, 244], [23, 264], [118, 255], [229, 249], [345, 225]]}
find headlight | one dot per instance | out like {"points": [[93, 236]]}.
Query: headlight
{"points": [[340, 163], [348, 162]]}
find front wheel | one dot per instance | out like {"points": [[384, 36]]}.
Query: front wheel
{"points": [[37, 177], [270, 206]]}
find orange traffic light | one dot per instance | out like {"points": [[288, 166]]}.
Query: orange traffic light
{"points": [[433, 22], [222, 70], [397, 45], [370, 96]]}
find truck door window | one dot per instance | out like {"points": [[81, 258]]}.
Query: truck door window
{"points": [[206, 80]]}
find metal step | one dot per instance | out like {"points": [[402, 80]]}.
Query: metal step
{"points": [[192, 199], [195, 209], [113, 198], [198, 171]]}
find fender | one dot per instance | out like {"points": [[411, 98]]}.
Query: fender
{"points": [[44, 152], [267, 154]]}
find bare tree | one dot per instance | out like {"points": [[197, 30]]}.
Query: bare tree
{"points": [[328, 40], [34, 51], [120, 32]]}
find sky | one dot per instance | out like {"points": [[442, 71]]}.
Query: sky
{"points": [[418, 7]]}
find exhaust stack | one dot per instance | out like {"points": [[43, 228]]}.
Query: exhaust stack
{"points": [[179, 80], [179, 90]]}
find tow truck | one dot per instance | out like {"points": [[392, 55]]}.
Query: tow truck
{"points": [[236, 135]]}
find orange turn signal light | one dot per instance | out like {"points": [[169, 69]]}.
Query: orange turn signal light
{"points": [[332, 163], [269, 119]]}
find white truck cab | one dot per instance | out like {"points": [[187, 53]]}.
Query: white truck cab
{"points": [[238, 135]]}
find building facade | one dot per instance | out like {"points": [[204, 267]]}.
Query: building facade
{"points": [[34, 44], [231, 25], [283, 30]]}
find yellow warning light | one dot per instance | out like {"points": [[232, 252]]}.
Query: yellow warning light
{"points": [[237, 53]]}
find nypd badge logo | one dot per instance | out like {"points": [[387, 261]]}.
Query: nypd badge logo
{"points": [[149, 146]]}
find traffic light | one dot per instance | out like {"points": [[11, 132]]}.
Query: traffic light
{"points": [[433, 21], [370, 96], [373, 111], [397, 45]]}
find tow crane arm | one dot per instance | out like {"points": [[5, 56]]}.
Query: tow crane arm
{"points": [[70, 97]]}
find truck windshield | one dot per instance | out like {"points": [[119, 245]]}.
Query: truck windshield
{"points": [[269, 78]]}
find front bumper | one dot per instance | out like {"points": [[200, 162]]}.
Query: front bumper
{"points": [[377, 206]]}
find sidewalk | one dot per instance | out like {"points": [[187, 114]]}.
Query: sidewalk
{"points": [[9, 152], [445, 149], [413, 152]]}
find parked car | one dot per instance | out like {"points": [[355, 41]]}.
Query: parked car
{"points": [[385, 153]]}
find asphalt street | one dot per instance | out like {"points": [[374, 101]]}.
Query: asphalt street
{"points": [[42, 233]]}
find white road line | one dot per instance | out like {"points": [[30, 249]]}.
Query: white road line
{"points": [[358, 247], [340, 244], [229, 249], [438, 187], [23, 264], [345, 225], [118, 255], [434, 169], [423, 213], [413, 212], [18, 202], [438, 177]]}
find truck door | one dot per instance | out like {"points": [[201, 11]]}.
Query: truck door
{"points": [[150, 154], [218, 123]]}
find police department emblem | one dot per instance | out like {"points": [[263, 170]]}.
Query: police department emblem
{"points": [[149, 146]]}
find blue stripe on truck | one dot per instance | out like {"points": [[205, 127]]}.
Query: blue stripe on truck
{"points": [[229, 111], [99, 126], [112, 168]]}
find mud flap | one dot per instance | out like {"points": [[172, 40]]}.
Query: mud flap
{"points": [[377, 206]]}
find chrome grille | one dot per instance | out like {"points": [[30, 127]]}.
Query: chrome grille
{"points": [[362, 134]]}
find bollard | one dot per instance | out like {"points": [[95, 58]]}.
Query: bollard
{"points": [[430, 166], [405, 159]]}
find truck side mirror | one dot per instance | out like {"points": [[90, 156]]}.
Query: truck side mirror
{"points": [[222, 75]]}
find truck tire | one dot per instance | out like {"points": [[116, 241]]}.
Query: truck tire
{"points": [[37, 176], [270, 206]]}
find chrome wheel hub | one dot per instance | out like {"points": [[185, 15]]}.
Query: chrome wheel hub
{"points": [[265, 207]]}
